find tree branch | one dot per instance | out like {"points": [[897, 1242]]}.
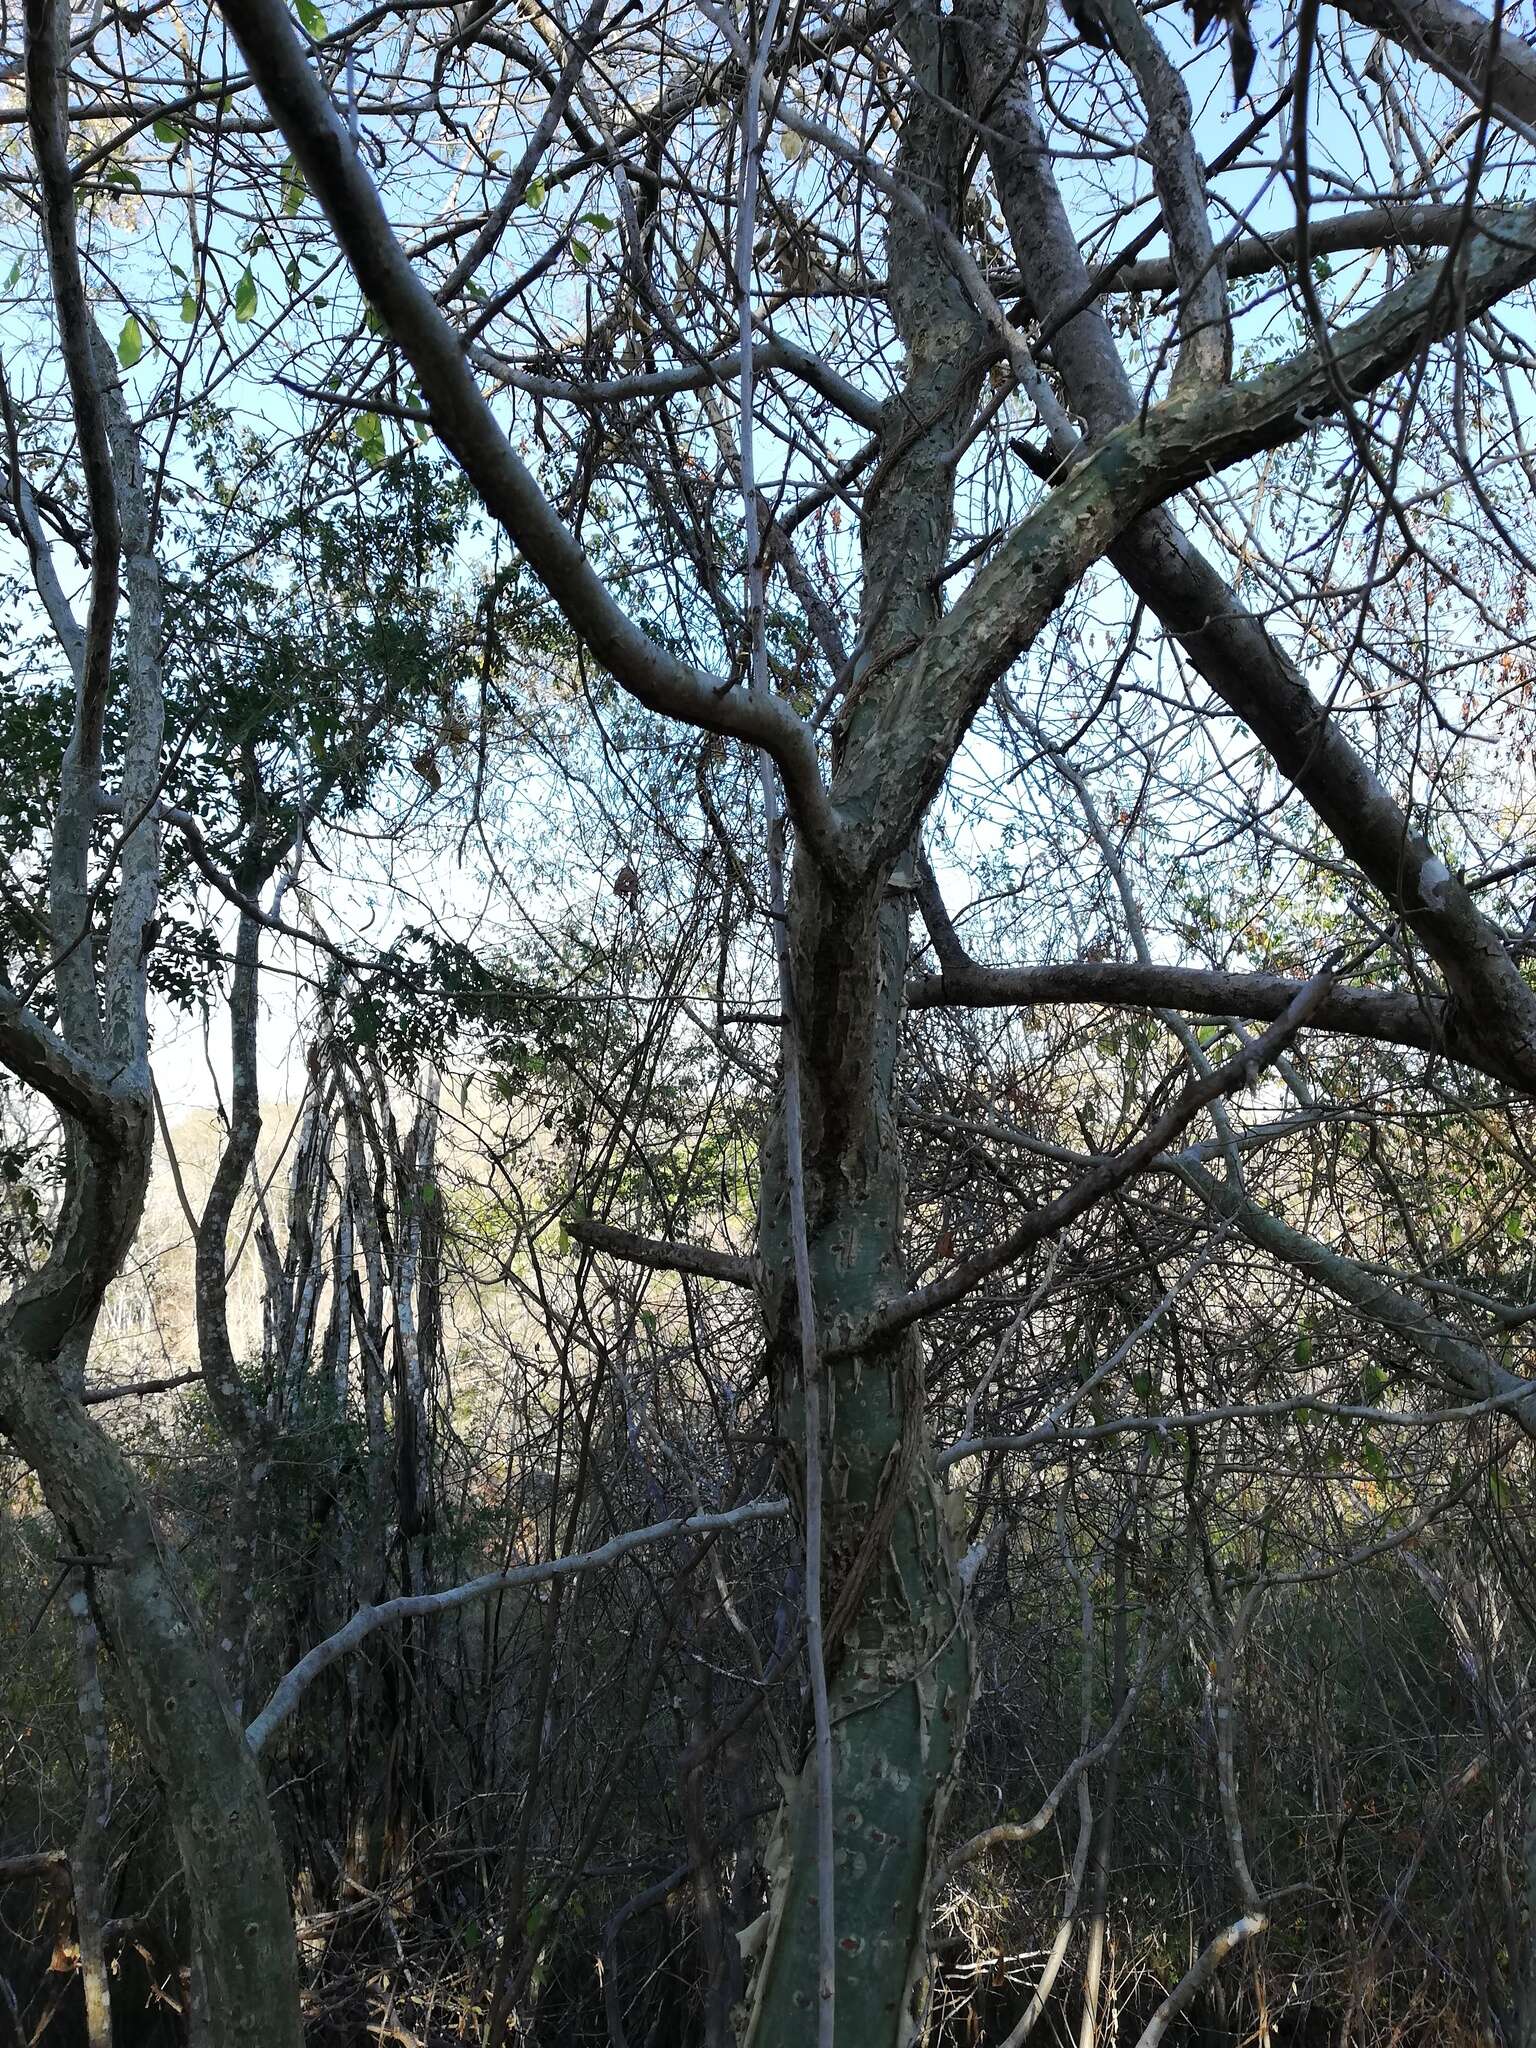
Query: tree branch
{"points": [[1229, 648], [76, 1085], [1459, 1359], [1100, 1180], [1394, 225], [1131, 471], [324, 151], [662, 1256], [80, 772], [1388, 1016], [1463, 46], [1199, 1974], [291, 1688]]}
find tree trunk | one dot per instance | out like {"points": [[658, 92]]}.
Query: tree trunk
{"points": [[147, 1610], [96, 1073], [182, 1716], [898, 1643], [897, 1633]]}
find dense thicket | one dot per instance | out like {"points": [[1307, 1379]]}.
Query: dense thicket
{"points": [[766, 1030]]}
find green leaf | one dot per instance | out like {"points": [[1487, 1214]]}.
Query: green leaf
{"points": [[1514, 1226], [600, 221], [534, 196], [582, 253], [369, 429], [188, 307], [11, 277], [1304, 1348], [311, 17], [245, 297], [1371, 1456], [123, 176], [130, 343], [293, 188], [373, 320], [169, 132]]}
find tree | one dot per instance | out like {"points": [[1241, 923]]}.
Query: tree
{"points": [[92, 1064], [1012, 420]]}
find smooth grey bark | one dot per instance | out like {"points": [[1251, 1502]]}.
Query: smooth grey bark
{"points": [[413, 1278], [247, 1428], [365, 1198], [146, 1608], [1198, 1975]]}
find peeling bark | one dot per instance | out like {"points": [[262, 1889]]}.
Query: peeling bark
{"points": [[897, 1635]]}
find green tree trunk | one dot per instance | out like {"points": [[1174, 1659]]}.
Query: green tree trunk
{"points": [[898, 1643], [897, 1634]]}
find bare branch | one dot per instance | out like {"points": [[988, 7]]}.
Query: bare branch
{"points": [[1456, 1357], [1397, 224], [1102, 1179], [1465, 46], [1199, 1974], [321, 145], [1391, 1017], [291, 1688], [662, 1257], [80, 775]]}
